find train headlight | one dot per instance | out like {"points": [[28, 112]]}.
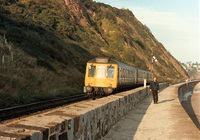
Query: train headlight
{"points": [[108, 90], [88, 89]]}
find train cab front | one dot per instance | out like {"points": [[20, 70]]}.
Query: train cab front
{"points": [[100, 78]]}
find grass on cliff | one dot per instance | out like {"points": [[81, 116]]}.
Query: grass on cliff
{"points": [[26, 85]]}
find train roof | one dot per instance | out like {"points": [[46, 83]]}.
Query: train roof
{"points": [[102, 60], [105, 60]]}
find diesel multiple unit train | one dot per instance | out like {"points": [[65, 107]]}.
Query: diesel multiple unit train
{"points": [[104, 75]]}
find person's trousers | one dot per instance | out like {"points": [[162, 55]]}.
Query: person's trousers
{"points": [[155, 96]]}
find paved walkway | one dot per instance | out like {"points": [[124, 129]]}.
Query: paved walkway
{"points": [[148, 121], [195, 102]]}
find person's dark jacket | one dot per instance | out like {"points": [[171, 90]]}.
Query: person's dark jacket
{"points": [[154, 85]]}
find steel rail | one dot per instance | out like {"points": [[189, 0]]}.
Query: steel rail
{"points": [[18, 111]]}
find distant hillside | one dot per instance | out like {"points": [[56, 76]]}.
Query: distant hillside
{"points": [[193, 69], [48, 43]]}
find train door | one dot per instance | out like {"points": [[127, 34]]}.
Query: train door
{"points": [[101, 71], [136, 76], [119, 75]]}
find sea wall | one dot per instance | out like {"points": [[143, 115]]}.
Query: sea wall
{"points": [[190, 101], [185, 90]]}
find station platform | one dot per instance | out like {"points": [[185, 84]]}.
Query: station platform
{"points": [[165, 120]]}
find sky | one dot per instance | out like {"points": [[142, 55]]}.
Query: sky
{"points": [[174, 23]]}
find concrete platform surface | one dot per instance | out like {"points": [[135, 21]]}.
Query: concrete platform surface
{"points": [[149, 121]]}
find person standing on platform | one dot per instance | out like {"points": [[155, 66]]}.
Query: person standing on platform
{"points": [[154, 88]]}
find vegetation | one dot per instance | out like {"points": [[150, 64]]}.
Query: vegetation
{"points": [[45, 44]]}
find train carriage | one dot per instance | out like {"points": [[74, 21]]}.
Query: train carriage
{"points": [[103, 75]]}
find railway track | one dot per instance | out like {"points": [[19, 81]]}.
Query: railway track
{"points": [[18, 111]]}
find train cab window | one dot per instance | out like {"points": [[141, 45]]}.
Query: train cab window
{"points": [[101, 71], [110, 72], [92, 70]]}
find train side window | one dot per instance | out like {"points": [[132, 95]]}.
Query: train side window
{"points": [[92, 71], [128, 74], [132, 73], [122, 73], [126, 71], [143, 75], [110, 72]]}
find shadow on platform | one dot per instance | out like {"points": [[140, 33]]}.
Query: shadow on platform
{"points": [[165, 101], [128, 125], [138, 114]]}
